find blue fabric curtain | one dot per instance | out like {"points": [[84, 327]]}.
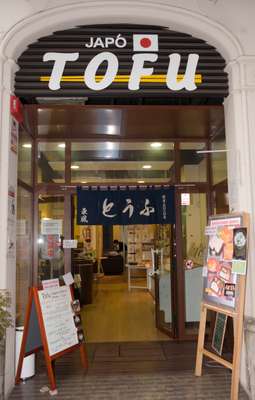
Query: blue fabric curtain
{"points": [[125, 207]]}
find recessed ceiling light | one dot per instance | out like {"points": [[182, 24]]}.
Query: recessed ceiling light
{"points": [[83, 181], [156, 145], [140, 181], [110, 145], [27, 145], [146, 166], [75, 167], [62, 145], [111, 130]]}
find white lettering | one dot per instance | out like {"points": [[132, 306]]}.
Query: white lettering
{"points": [[92, 67], [188, 81], [90, 44], [120, 41], [138, 69], [99, 43], [108, 41], [59, 66]]}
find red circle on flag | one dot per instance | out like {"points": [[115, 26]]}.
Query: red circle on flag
{"points": [[145, 42]]}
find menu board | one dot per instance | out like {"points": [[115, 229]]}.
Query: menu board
{"points": [[220, 282], [58, 318]]}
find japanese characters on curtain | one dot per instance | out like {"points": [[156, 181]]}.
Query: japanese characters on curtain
{"points": [[125, 207]]}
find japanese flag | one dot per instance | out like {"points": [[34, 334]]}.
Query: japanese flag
{"points": [[145, 42]]}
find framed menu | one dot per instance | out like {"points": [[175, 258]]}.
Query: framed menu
{"points": [[58, 319]]}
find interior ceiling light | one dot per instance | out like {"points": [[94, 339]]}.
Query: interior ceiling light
{"points": [[62, 145], [111, 130], [156, 145], [83, 181], [110, 145], [140, 181], [61, 100], [75, 167], [146, 166], [211, 151], [27, 145]]}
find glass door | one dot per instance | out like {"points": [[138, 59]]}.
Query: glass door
{"points": [[193, 206], [51, 227], [163, 278]]}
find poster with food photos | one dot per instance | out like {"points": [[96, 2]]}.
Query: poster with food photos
{"points": [[218, 276]]}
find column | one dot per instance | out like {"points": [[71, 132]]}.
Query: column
{"points": [[8, 191], [240, 142]]}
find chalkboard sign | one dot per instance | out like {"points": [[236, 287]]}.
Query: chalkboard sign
{"points": [[219, 332], [50, 325]]}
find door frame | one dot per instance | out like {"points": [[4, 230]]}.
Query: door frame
{"points": [[180, 271]]}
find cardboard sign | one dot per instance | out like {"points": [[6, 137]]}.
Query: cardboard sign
{"points": [[68, 279], [50, 284]]}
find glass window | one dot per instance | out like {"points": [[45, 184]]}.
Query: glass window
{"points": [[120, 163], [51, 162], [194, 218], [219, 160], [193, 163], [24, 251], [50, 238], [25, 158]]}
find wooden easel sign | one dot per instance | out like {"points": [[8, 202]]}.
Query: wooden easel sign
{"points": [[52, 324], [224, 276]]}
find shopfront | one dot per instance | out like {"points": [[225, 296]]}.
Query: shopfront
{"points": [[120, 106], [152, 129]]}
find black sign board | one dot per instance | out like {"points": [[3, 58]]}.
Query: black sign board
{"points": [[120, 60], [219, 332]]}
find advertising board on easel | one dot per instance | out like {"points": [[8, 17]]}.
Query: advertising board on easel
{"points": [[52, 324], [224, 278]]}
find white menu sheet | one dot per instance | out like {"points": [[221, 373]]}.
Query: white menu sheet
{"points": [[58, 319]]}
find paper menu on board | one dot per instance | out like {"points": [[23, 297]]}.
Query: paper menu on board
{"points": [[58, 319], [221, 281]]}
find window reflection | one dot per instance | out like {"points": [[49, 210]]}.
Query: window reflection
{"points": [[122, 162], [193, 164], [25, 158], [23, 252], [51, 162], [50, 237]]}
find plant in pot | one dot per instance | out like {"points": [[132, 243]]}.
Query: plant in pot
{"points": [[5, 322]]}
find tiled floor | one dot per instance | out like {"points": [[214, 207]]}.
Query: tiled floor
{"points": [[115, 314], [144, 371]]}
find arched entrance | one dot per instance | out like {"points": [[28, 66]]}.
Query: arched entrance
{"points": [[21, 35]]}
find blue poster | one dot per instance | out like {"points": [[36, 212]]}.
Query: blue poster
{"points": [[125, 207]]}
